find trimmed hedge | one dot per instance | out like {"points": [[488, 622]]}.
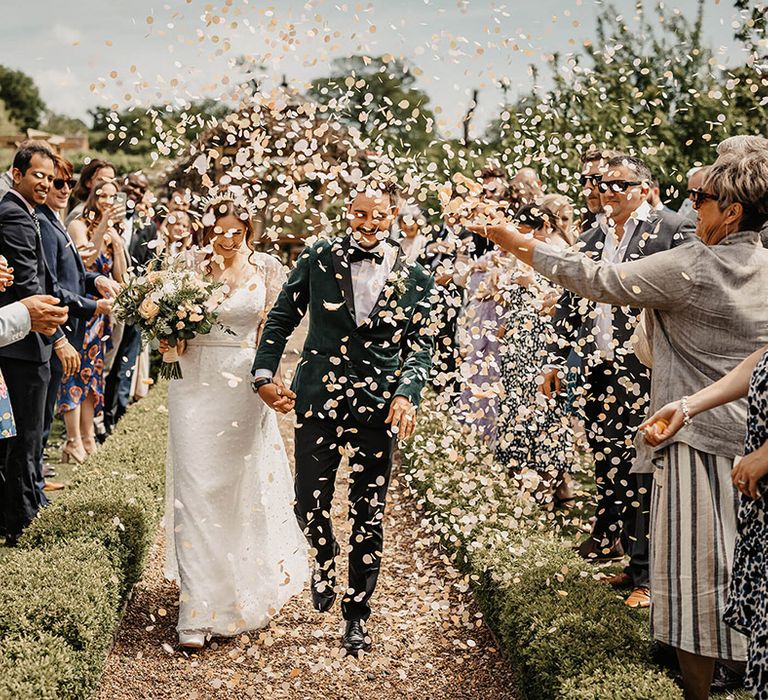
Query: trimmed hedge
{"points": [[64, 586], [570, 637]]}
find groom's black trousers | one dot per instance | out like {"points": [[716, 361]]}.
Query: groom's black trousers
{"points": [[319, 446]]}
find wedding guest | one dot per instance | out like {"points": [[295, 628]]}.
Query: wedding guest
{"points": [[525, 188], [593, 164], [611, 380], [535, 438], [496, 187], [747, 608], [654, 195], [696, 178], [25, 364], [562, 220], [175, 234], [708, 311], [81, 397], [411, 222], [137, 232], [36, 314], [71, 283], [94, 170]]}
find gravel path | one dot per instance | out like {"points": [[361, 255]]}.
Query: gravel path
{"points": [[429, 638]]}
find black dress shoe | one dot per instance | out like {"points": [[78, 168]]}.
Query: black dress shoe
{"points": [[12, 540], [322, 600], [594, 551], [355, 638]]}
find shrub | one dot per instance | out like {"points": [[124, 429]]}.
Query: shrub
{"points": [[556, 624], [64, 586]]}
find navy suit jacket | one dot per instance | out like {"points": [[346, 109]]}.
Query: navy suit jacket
{"points": [[23, 250], [71, 281]]}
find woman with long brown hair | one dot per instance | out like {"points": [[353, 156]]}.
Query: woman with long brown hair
{"points": [[92, 172], [81, 397], [232, 541]]}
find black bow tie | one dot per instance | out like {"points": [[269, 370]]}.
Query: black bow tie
{"points": [[358, 255]]}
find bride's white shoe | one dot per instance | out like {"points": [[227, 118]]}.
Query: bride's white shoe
{"points": [[191, 639]]}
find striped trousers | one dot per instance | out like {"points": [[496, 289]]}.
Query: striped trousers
{"points": [[692, 539]]}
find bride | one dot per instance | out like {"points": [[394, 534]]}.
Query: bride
{"points": [[232, 542]]}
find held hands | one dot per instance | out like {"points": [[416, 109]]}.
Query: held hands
{"points": [[750, 469], [277, 396], [44, 313], [69, 358], [402, 417], [663, 424]]}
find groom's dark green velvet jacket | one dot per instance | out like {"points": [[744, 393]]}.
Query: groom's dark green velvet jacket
{"points": [[346, 368]]}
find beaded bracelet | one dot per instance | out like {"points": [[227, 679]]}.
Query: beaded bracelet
{"points": [[686, 413]]}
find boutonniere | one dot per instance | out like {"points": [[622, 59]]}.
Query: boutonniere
{"points": [[397, 281]]}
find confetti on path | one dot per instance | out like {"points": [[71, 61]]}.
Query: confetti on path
{"points": [[429, 636]]}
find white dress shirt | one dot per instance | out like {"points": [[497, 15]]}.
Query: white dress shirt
{"points": [[413, 247], [614, 251], [369, 278], [15, 323]]}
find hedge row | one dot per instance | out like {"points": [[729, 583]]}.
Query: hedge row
{"points": [[569, 636], [64, 586]]}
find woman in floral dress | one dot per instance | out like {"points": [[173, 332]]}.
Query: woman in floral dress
{"points": [[81, 397], [534, 433]]}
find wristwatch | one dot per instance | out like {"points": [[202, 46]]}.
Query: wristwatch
{"points": [[259, 382]]}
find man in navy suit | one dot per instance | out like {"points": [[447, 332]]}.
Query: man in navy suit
{"points": [[71, 282], [25, 364]]}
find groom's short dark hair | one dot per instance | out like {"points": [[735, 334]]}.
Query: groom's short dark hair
{"points": [[388, 187]]}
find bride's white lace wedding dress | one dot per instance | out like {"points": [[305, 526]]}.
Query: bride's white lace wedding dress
{"points": [[232, 541]]}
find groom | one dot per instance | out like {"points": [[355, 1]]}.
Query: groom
{"points": [[365, 360]]}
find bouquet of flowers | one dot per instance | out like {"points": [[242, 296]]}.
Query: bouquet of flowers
{"points": [[172, 304]]}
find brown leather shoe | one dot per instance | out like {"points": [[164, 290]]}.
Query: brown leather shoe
{"points": [[639, 598], [621, 580], [54, 486]]}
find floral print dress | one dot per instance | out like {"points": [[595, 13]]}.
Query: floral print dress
{"points": [[7, 424], [747, 609], [90, 378]]}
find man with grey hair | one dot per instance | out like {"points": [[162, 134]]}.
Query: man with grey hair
{"points": [[612, 384]]}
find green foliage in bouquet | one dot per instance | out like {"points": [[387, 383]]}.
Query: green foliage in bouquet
{"points": [[172, 304]]}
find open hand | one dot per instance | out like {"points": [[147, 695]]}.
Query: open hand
{"points": [[278, 397], [69, 358], [402, 417], [663, 424]]}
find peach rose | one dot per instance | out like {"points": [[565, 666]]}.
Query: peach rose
{"points": [[148, 309]]}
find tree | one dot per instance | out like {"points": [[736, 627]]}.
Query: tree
{"points": [[21, 97], [378, 96], [654, 91], [55, 123]]}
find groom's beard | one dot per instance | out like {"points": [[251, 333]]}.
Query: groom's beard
{"points": [[357, 236]]}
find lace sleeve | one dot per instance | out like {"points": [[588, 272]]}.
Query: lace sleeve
{"points": [[274, 279]]}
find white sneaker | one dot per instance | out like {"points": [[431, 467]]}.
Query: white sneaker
{"points": [[191, 639]]}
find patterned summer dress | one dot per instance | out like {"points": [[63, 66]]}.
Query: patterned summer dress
{"points": [[90, 378], [747, 609], [7, 424]]}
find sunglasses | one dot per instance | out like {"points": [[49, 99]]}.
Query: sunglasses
{"points": [[59, 183], [617, 185], [698, 197], [590, 180]]}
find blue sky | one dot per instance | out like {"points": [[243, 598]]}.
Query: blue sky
{"points": [[69, 46]]}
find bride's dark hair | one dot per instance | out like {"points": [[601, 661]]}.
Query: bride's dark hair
{"points": [[226, 207]]}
